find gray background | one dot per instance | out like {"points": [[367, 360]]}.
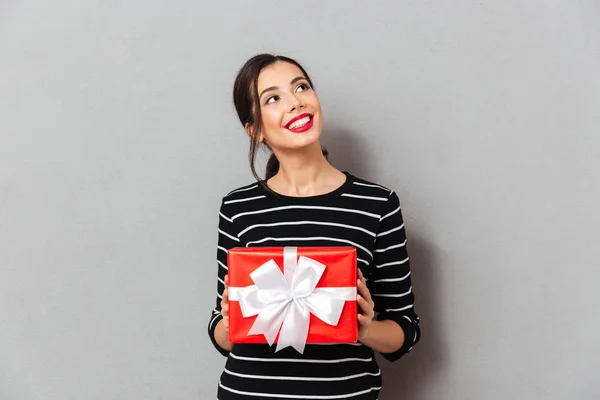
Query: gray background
{"points": [[118, 139]]}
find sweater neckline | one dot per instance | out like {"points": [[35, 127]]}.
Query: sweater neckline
{"points": [[319, 198]]}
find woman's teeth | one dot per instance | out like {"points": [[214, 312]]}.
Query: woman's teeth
{"points": [[299, 123]]}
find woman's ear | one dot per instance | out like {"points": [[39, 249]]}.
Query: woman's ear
{"points": [[250, 131]]}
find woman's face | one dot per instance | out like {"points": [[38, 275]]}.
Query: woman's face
{"points": [[290, 109]]}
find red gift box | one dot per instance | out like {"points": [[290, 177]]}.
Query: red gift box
{"points": [[272, 300]]}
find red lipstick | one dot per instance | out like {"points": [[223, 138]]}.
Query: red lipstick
{"points": [[302, 128]]}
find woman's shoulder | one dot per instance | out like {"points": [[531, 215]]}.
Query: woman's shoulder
{"points": [[241, 193], [368, 186], [376, 194]]}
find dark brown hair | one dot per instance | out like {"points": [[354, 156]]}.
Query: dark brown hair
{"points": [[246, 101]]}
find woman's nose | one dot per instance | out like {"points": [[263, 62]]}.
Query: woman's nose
{"points": [[295, 103]]}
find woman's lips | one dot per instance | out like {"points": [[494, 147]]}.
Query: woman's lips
{"points": [[301, 123]]}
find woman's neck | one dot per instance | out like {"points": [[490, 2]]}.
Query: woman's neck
{"points": [[306, 173]]}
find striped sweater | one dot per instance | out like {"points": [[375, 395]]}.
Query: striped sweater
{"points": [[358, 213]]}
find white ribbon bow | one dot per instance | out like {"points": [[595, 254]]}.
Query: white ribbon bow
{"points": [[284, 301]]}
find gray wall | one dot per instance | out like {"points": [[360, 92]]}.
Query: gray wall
{"points": [[116, 130]]}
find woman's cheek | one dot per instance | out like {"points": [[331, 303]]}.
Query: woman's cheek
{"points": [[274, 119]]}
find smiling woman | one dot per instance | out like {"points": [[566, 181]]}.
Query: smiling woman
{"points": [[305, 201], [261, 93]]}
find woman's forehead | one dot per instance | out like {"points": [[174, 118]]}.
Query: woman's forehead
{"points": [[278, 74]]}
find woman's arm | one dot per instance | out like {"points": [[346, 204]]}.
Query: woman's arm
{"points": [[382, 336], [222, 337], [396, 329], [218, 323], [222, 328]]}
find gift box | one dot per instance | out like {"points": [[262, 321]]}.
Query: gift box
{"points": [[292, 295]]}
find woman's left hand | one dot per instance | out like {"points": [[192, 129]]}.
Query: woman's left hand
{"points": [[366, 311]]}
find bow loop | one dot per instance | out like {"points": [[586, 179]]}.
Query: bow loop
{"points": [[307, 275]]}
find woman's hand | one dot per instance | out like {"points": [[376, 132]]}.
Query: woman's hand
{"points": [[225, 305], [366, 306], [222, 328]]}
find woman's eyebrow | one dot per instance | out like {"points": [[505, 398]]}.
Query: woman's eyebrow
{"points": [[296, 79]]}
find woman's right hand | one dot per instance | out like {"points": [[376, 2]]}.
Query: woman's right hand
{"points": [[225, 304]]}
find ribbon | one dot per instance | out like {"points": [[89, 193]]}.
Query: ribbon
{"points": [[283, 301]]}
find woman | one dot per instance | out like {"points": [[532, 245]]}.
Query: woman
{"points": [[305, 201]]}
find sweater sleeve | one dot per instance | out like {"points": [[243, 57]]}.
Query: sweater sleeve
{"points": [[227, 239], [390, 280]]}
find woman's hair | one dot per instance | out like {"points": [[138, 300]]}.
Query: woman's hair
{"points": [[246, 101]]}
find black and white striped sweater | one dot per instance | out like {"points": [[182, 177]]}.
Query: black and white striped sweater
{"points": [[360, 214]]}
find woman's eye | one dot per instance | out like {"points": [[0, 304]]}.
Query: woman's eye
{"points": [[302, 87], [271, 99]]}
